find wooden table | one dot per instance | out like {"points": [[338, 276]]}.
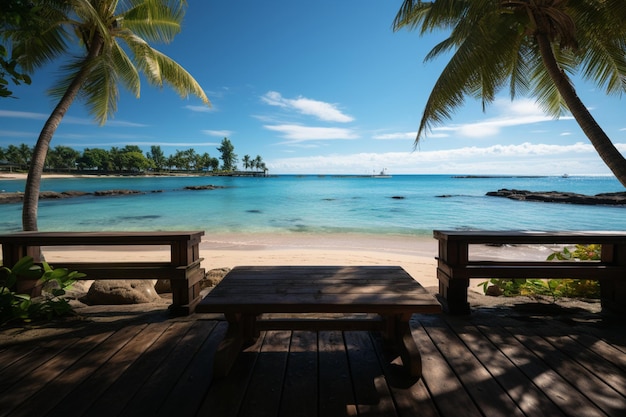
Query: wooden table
{"points": [[386, 295]]}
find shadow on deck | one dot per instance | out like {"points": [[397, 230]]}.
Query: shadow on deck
{"points": [[522, 360]]}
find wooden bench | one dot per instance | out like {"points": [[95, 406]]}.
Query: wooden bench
{"points": [[455, 268], [182, 269], [386, 295]]}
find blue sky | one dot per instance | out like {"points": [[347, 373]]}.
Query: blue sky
{"points": [[320, 87]]}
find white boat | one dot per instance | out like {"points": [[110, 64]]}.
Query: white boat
{"points": [[382, 174]]}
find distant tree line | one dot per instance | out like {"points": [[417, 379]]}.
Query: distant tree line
{"points": [[131, 159]]}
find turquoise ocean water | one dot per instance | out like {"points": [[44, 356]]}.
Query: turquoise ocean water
{"points": [[408, 205]]}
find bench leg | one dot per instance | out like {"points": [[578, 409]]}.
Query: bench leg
{"points": [[454, 296], [241, 333], [613, 295]]}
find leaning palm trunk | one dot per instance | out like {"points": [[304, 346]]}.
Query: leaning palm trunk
{"points": [[600, 141], [33, 180]]}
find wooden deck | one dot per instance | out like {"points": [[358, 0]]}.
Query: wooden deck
{"points": [[496, 362]]}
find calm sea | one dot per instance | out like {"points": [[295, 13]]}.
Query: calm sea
{"points": [[409, 205]]}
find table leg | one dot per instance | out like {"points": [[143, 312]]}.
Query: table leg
{"points": [[398, 332], [241, 333]]}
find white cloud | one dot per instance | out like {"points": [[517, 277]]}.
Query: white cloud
{"points": [[66, 119], [298, 133], [323, 111], [220, 133], [397, 135], [16, 134], [200, 109], [523, 159]]}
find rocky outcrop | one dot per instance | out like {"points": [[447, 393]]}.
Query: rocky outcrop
{"points": [[612, 199], [203, 187], [115, 192], [122, 292], [17, 197]]}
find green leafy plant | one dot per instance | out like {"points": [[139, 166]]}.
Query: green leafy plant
{"points": [[581, 253], [556, 288], [15, 306]]}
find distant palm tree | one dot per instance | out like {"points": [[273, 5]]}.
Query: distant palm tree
{"points": [[246, 162], [531, 45], [258, 163], [100, 26]]}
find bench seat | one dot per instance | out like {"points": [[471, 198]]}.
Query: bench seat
{"points": [[455, 268]]}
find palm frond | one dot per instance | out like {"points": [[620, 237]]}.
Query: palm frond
{"points": [[100, 90], [602, 42], [176, 76], [157, 21]]}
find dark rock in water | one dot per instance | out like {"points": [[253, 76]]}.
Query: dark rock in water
{"points": [[444, 196], [612, 199], [115, 192], [202, 187], [398, 197], [75, 193]]}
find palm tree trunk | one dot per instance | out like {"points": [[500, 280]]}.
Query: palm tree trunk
{"points": [[33, 180], [600, 141]]}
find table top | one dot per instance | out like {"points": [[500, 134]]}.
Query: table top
{"points": [[319, 289]]}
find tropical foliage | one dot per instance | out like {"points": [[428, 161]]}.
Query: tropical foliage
{"points": [[556, 288], [530, 47], [229, 157], [13, 13], [15, 306], [129, 159], [115, 40]]}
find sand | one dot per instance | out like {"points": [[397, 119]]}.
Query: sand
{"points": [[415, 255]]}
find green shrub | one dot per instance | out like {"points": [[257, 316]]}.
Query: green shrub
{"points": [[15, 306], [556, 288]]}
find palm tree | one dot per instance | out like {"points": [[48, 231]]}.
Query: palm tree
{"points": [[533, 46], [100, 25], [246, 162]]}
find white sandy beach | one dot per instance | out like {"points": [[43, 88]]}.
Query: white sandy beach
{"points": [[417, 255]]}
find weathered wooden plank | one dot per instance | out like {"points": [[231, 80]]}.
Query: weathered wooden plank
{"points": [[83, 396], [336, 398], [11, 354], [153, 393], [607, 351], [441, 380], [32, 358], [587, 383], [370, 386], [119, 393], [529, 398], [97, 353], [358, 303], [488, 395], [597, 364], [265, 387], [525, 236], [269, 287], [186, 396], [558, 389], [33, 379], [299, 397]]}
